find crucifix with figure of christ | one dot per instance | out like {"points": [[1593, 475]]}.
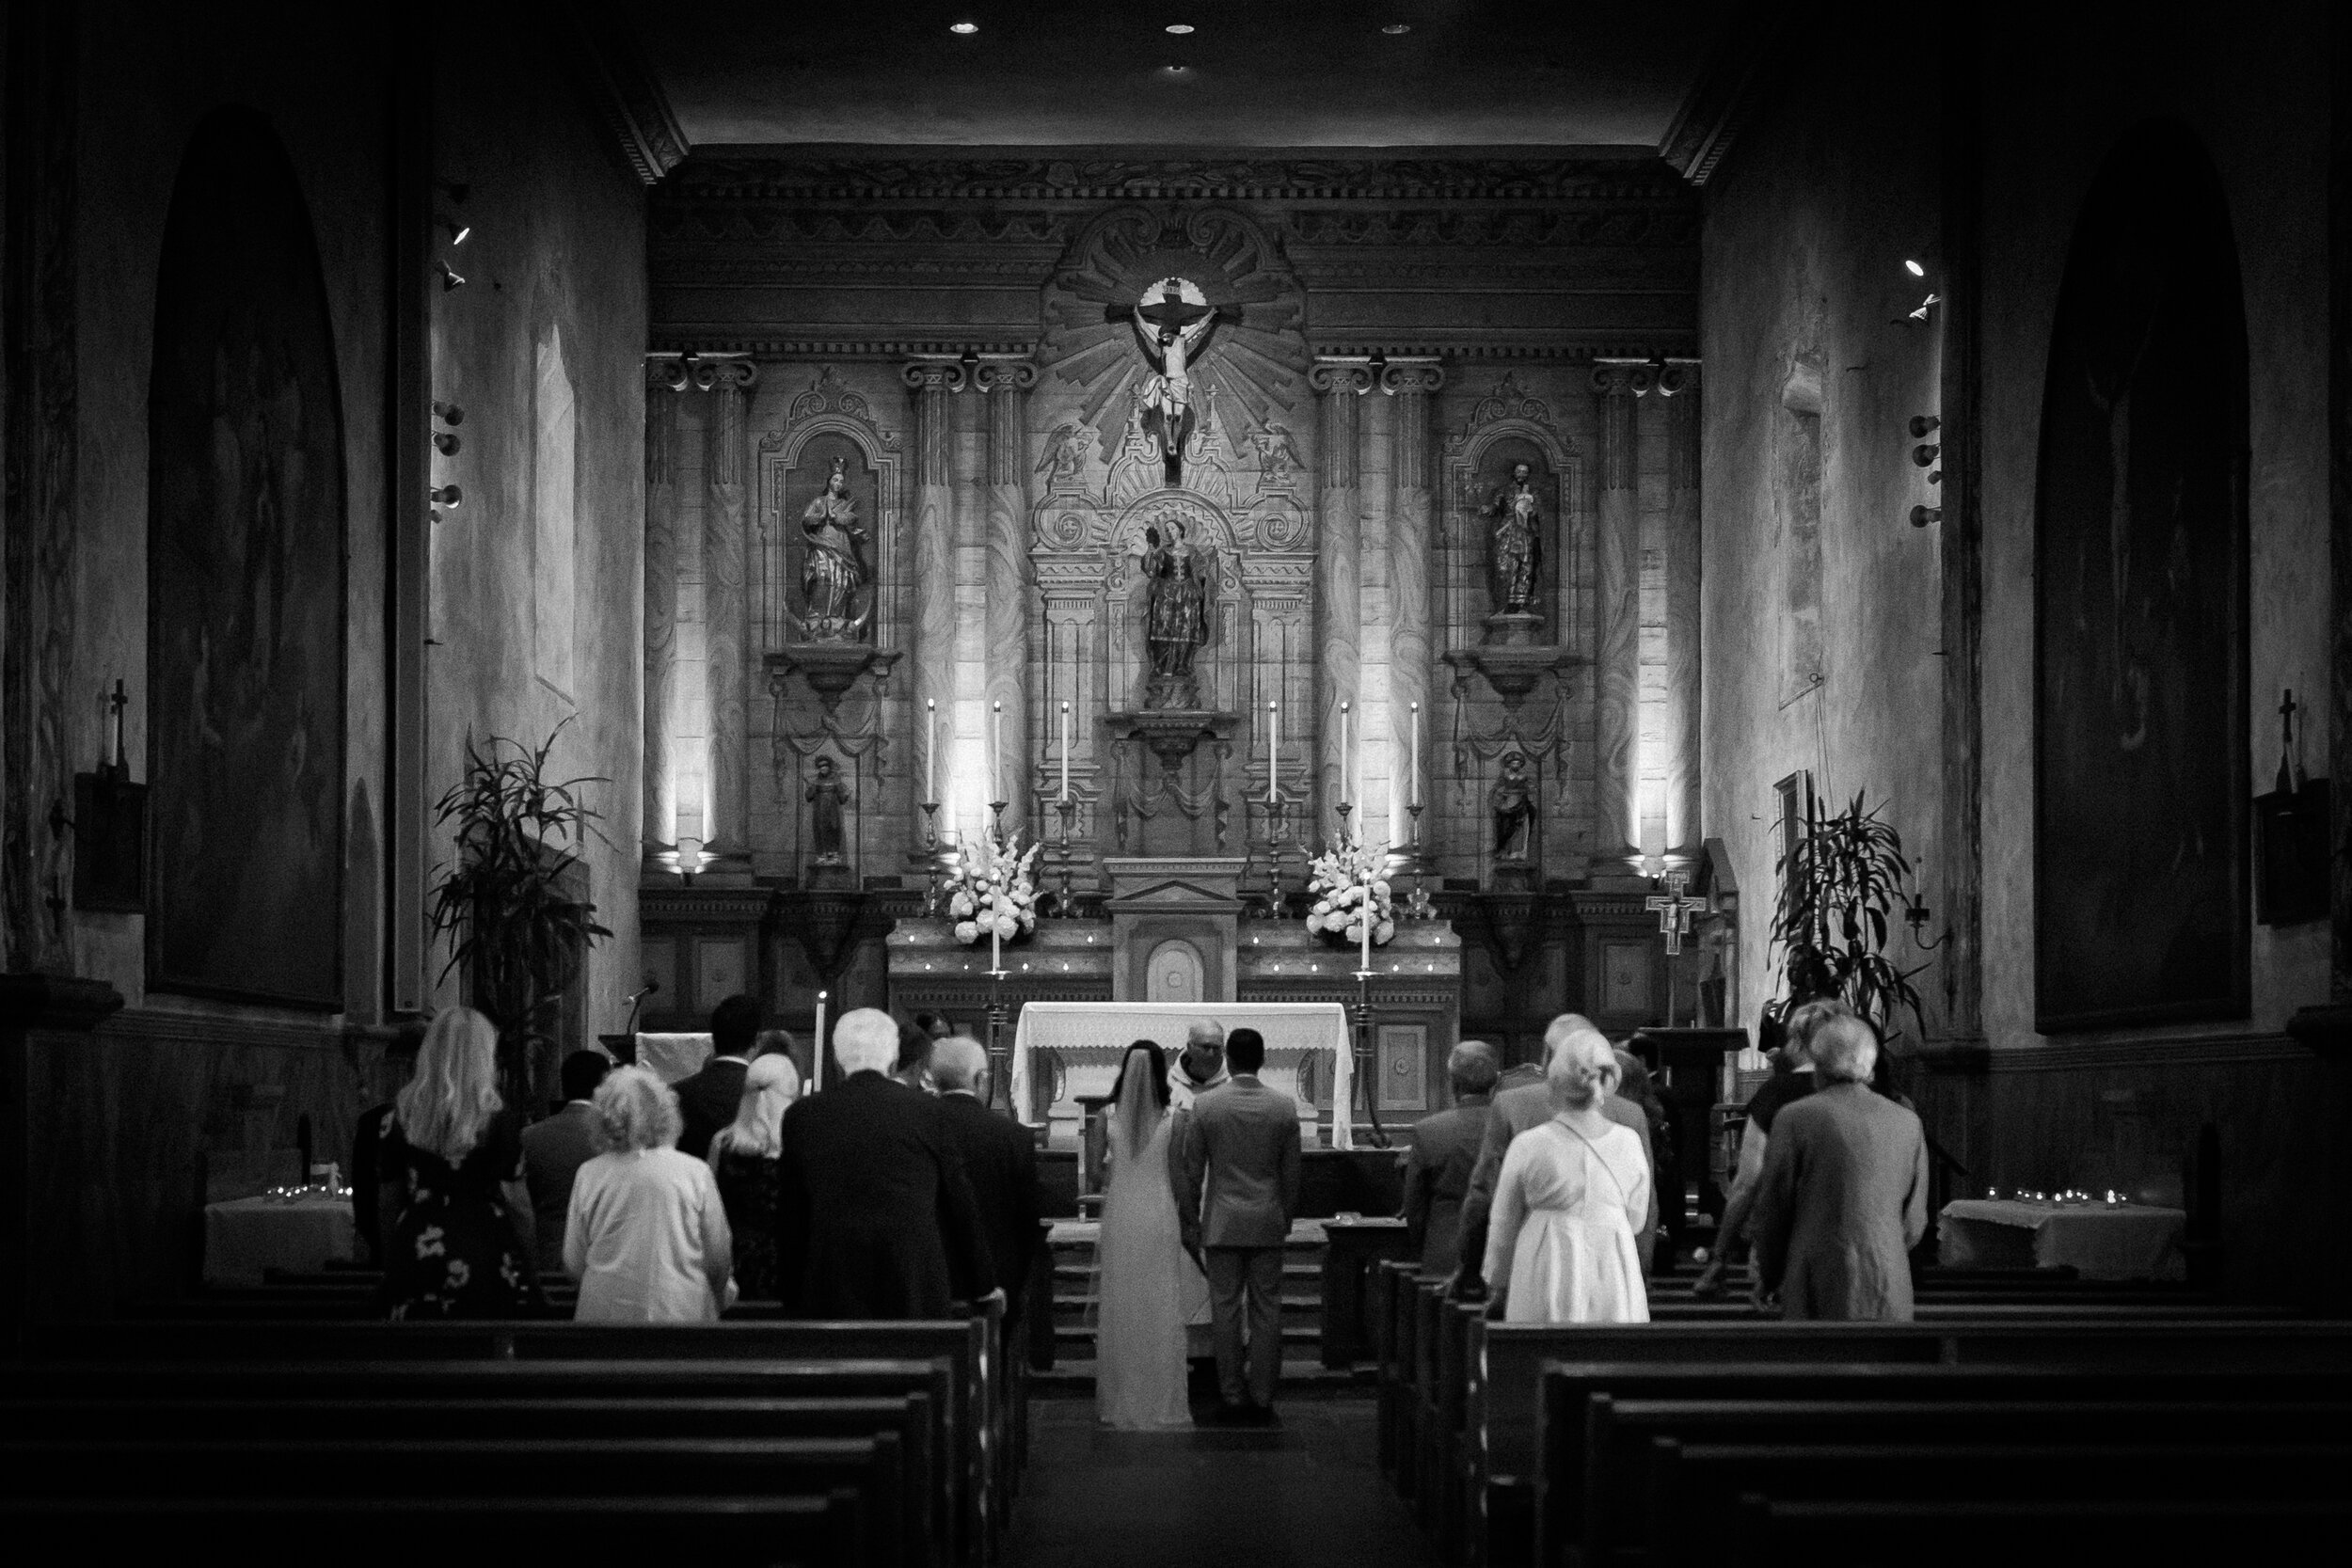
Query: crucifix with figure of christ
{"points": [[1673, 910], [1172, 323]]}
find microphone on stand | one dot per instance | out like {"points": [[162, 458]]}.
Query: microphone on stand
{"points": [[623, 1045]]}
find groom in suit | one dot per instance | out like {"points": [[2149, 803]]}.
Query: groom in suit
{"points": [[1234, 1165]]}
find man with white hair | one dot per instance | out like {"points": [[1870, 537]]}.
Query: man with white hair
{"points": [[1000, 1159], [875, 1217], [1200, 1067], [1844, 1194], [1513, 1112]]}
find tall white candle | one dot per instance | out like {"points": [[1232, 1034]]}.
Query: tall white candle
{"points": [[1412, 774], [1273, 749], [1342, 754], [931, 749], [995, 947], [996, 749], [1065, 751], [1367, 925], [817, 1056]]}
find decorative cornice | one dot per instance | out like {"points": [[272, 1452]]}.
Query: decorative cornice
{"points": [[1729, 90], [1234, 179], [626, 93]]}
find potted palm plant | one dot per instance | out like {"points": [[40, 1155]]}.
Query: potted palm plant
{"points": [[1843, 882], [510, 901]]}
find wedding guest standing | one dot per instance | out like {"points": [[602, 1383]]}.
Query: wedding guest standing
{"points": [[647, 1235], [706, 1100], [463, 1244], [554, 1149], [744, 1158], [1843, 1198], [874, 1217], [999, 1160], [1444, 1153], [1139, 1258], [1571, 1194]]}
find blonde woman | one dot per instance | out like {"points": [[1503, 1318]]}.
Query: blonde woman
{"points": [[1571, 1192], [744, 1158], [647, 1237], [463, 1244]]}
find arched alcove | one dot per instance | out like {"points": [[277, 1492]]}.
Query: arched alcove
{"points": [[244, 552], [2141, 798]]}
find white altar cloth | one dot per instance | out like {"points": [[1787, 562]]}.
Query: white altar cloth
{"points": [[1286, 1025], [674, 1057]]}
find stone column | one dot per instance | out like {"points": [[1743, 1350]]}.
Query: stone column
{"points": [[1411, 382], [1617, 677], [1006, 384], [1679, 384], [1338, 578], [663, 378], [726, 557], [932, 381]]}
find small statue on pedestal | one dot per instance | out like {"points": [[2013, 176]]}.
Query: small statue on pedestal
{"points": [[833, 571], [828, 799], [1513, 800], [1518, 546], [1177, 620]]}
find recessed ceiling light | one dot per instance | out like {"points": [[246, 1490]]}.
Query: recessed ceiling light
{"points": [[1180, 28], [963, 26], [1396, 28], [1914, 269]]}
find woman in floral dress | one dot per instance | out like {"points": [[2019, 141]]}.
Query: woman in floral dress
{"points": [[462, 1246]]}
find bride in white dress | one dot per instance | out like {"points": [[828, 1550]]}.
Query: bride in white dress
{"points": [[1139, 1332], [1572, 1189]]}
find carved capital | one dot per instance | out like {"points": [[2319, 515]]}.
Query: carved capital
{"points": [[1004, 375], [665, 372], [933, 376], [725, 376], [1618, 378], [1341, 376], [1412, 377], [1680, 375]]}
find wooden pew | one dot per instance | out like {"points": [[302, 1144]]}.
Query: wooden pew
{"points": [[463, 1532], [298, 1467], [2057, 1532], [1504, 1365]]}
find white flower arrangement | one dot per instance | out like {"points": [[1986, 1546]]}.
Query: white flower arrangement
{"points": [[993, 890], [1346, 886]]}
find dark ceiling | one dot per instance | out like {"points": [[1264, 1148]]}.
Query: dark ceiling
{"points": [[1253, 74]]}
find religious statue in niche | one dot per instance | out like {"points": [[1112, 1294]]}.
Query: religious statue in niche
{"points": [[834, 574], [1173, 322], [1518, 546], [828, 799], [1177, 620], [1513, 801]]}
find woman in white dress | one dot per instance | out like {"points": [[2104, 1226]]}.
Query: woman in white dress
{"points": [[1571, 1191], [647, 1235], [1140, 1333]]}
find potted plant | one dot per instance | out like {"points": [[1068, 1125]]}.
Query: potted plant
{"points": [[1842, 883], [509, 901]]}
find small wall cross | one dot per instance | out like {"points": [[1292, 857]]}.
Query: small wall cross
{"points": [[1673, 910]]}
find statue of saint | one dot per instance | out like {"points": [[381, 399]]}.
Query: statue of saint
{"points": [[1513, 800], [1177, 620], [826, 797], [834, 570], [1173, 322], [1518, 546]]}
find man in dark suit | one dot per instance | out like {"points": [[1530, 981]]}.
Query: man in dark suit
{"points": [[1234, 1165], [1843, 1198], [875, 1217], [708, 1100], [1000, 1161], [554, 1149], [1444, 1153]]}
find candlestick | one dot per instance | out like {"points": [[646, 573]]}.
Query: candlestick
{"points": [[996, 750], [1272, 748], [1367, 925], [1412, 774], [930, 750], [995, 947], [1065, 751], [1344, 796], [817, 1057]]}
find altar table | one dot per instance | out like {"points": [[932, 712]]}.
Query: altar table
{"points": [[1288, 1026], [244, 1237], [2098, 1240]]}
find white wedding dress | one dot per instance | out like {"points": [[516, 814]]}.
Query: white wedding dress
{"points": [[1140, 1331]]}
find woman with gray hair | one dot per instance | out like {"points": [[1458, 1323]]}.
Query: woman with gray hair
{"points": [[648, 1236], [1571, 1191]]}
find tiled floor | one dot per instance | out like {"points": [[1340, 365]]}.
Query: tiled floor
{"points": [[1309, 1494]]}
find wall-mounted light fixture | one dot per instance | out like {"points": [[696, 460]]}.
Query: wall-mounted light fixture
{"points": [[451, 278], [447, 495], [457, 230], [449, 413], [1922, 515], [1924, 424], [445, 443], [1914, 268], [1925, 454]]}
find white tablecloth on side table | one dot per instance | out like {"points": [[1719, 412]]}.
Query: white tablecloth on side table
{"points": [[244, 1236], [2098, 1240]]}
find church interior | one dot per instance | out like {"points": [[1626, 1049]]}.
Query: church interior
{"points": [[1381, 524]]}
